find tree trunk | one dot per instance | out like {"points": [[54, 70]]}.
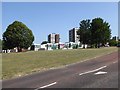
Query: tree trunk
{"points": [[19, 49]]}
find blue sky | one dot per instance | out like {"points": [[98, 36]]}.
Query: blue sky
{"points": [[50, 17]]}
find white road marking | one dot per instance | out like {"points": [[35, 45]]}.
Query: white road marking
{"points": [[100, 72], [47, 85], [92, 70]]}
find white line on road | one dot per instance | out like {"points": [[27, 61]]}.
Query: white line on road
{"points": [[47, 85], [92, 70], [100, 72]]}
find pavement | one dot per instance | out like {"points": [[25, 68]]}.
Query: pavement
{"points": [[100, 72]]}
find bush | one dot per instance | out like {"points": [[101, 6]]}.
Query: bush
{"points": [[113, 43]]}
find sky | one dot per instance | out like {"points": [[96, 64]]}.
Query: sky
{"points": [[44, 18], [60, 0], [119, 19]]}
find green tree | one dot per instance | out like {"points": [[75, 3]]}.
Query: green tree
{"points": [[113, 42], [18, 35], [100, 32], [0, 44], [44, 42], [84, 32], [3, 45]]}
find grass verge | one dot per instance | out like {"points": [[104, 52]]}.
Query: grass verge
{"points": [[19, 64]]}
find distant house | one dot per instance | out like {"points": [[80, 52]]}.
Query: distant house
{"points": [[43, 47], [35, 47], [72, 45]]}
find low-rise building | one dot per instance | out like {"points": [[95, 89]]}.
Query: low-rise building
{"points": [[35, 47]]}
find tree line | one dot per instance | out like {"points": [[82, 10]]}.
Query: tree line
{"points": [[95, 33]]}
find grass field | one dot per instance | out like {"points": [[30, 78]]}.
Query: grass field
{"points": [[19, 64]]}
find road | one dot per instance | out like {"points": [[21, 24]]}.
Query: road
{"points": [[101, 72]]}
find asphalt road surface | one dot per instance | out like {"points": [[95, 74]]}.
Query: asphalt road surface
{"points": [[101, 72]]}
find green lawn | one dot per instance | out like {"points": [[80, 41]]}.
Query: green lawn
{"points": [[17, 64]]}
